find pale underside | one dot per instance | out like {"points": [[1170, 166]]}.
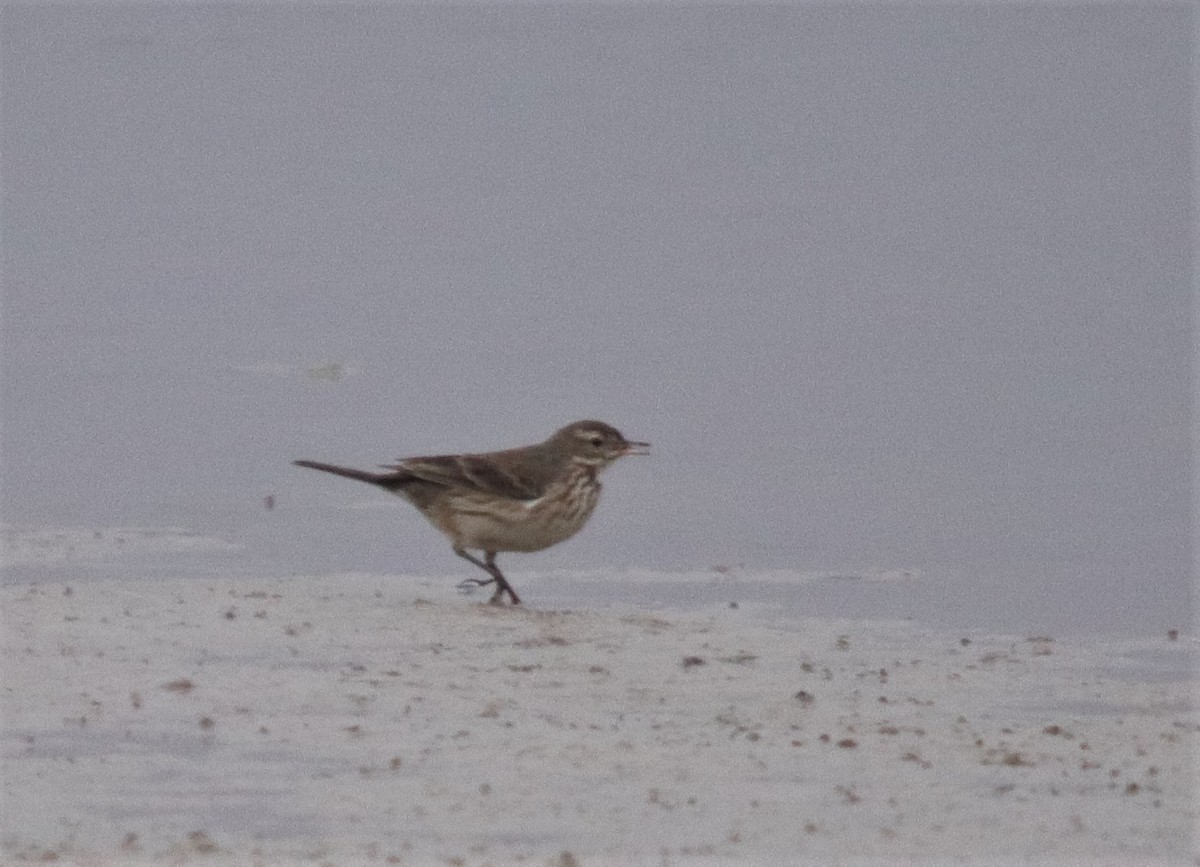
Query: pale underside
{"points": [[482, 521]]}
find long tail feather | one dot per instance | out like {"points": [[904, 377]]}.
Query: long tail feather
{"points": [[384, 479]]}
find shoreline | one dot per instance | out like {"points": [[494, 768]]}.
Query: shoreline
{"points": [[364, 718]]}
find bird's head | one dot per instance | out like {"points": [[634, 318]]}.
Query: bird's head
{"points": [[595, 443]]}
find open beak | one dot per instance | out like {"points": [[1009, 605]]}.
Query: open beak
{"points": [[636, 449]]}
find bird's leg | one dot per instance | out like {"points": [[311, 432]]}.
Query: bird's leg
{"points": [[474, 582], [490, 567], [502, 585]]}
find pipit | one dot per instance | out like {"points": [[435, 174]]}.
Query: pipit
{"points": [[522, 499]]}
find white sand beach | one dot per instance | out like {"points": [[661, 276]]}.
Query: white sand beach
{"points": [[374, 719]]}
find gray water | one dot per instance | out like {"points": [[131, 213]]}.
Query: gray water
{"points": [[886, 287]]}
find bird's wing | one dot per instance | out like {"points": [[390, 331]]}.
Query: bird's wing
{"points": [[473, 473]]}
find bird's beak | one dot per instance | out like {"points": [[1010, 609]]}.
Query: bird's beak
{"points": [[636, 449]]}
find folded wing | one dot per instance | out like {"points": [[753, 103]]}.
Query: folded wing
{"points": [[479, 473]]}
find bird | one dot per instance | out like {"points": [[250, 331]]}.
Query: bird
{"points": [[516, 500]]}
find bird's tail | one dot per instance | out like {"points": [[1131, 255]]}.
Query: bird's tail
{"points": [[361, 475]]}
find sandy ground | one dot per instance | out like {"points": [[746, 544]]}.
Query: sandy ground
{"points": [[369, 719]]}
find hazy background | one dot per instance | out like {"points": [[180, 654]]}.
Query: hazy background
{"points": [[894, 287]]}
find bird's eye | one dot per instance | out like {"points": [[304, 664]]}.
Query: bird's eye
{"points": [[597, 440]]}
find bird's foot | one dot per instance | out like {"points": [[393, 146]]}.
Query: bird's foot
{"points": [[469, 585], [498, 596]]}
